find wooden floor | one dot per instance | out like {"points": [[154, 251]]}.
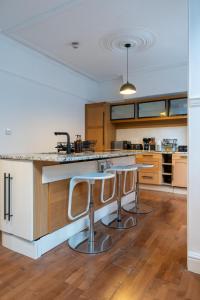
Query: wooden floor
{"points": [[147, 262]]}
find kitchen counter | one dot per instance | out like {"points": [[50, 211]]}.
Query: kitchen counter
{"points": [[68, 158], [165, 152], [34, 192]]}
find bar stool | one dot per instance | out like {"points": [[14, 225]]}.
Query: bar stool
{"points": [[117, 220], [88, 241], [136, 206]]}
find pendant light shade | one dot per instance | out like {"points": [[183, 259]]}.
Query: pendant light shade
{"points": [[127, 88]]}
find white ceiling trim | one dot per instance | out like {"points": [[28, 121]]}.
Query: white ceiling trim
{"points": [[45, 53], [83, 73], [41, 16], [158, 68]]}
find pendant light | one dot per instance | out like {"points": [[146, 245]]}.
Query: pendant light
{"points": [[127, 88]]}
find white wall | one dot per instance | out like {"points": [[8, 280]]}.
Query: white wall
{"points": [[149, 81], [135, 135], [194, 141], [37, 97], [156, 81], [109, 90]]}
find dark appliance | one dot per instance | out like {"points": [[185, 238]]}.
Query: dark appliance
{"points": [[136, 147], [117, 145], [182, 148], [169, 145], [149, 144], [88, 146]]}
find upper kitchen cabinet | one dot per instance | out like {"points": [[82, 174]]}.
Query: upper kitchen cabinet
{"points": [[178, 107], [98, 126], [165, 110], [152, 109], [122, 112]]}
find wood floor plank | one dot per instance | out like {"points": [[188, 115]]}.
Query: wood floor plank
{"points": [[147, 262]]}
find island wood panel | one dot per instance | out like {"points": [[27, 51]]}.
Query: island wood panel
{"points": [[58, 200], [40, 215]]}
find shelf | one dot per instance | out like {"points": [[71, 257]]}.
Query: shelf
{"points": [[166, 173], [143, 122], [165, 183], [167, 164]]}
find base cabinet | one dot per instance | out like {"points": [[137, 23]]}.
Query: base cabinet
{"points": [[169, 169], [179, 166], [150, 175], [16, 198]]}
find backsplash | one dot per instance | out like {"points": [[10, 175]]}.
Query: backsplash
{"points": [[135, 135]]}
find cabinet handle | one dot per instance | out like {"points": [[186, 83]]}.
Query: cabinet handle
{"points": [[9, 198], [103, 128], [147, 177], [5, 196]]}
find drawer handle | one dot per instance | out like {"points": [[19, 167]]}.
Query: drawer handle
{"points": [[147, 177]]}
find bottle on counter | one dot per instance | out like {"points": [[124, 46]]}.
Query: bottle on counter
{"points": [[78, 146]]}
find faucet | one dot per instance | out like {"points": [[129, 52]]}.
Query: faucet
{"points": [[68, 147]]}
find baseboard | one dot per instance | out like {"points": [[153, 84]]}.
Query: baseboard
{"points": [[37, 248], [193, 262], [164, 188]]}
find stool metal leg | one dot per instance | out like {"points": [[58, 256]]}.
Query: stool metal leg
{"points": [[136, 206], [89, 241], [117, 220]]}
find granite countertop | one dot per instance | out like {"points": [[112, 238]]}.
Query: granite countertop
{"points": [[64, 158]]}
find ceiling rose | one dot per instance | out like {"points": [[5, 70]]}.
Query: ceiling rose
{"points": [[140, 39]]}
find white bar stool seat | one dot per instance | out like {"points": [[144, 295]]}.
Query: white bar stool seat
{"points": [[88, 241], [117, 220], [136, 206]]}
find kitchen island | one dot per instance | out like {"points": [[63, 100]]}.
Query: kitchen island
{"points": [[34, 197]]}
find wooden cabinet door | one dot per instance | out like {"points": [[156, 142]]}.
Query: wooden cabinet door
{"points": [[95, 119], [180, 172], [98, 126], [94, 115], [20, 198], [96, 134]]}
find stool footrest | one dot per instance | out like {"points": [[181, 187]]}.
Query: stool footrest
{"points": [[137, 209], [113, 221], [80, 242]]}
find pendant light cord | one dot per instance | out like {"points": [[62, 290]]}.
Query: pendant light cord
{"points": [[127, 64]]}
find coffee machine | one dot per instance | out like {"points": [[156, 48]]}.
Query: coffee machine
{"points": [[149, 144]]}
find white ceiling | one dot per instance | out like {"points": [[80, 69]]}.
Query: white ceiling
{"points": [[158, 27]]}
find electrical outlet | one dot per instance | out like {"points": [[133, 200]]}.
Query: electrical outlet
{"points": [[8, 131]]}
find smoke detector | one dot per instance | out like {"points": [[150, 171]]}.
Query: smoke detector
{"points": [[75, 45]]}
